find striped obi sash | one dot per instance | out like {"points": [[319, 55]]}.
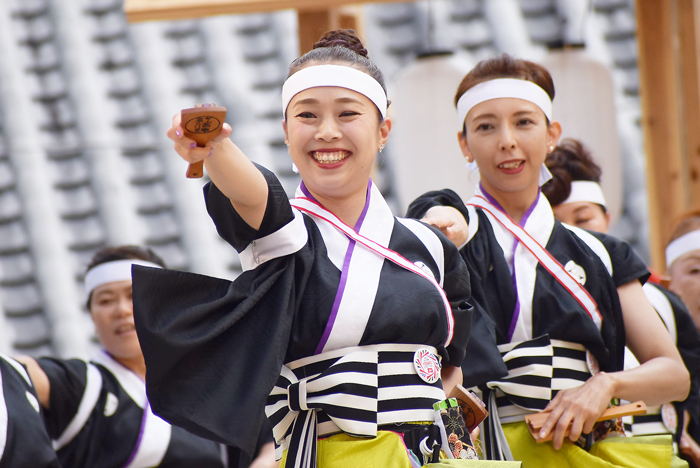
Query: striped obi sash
{"points": [[352, 390], [658, 420], [537, 370]]}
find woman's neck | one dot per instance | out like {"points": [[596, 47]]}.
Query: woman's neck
{"points": [[348, 208], [515, 204], [136, 365]]}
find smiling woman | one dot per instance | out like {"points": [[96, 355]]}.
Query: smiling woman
{"points": [[96, 412], [554, 304], [344, 316]]}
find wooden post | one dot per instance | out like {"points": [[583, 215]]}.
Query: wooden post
{"points": [[689, 22], [661, 95]]}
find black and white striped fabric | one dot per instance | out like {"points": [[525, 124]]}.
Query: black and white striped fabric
{"points": [[537, 370], [353, 390], [646, 424]]}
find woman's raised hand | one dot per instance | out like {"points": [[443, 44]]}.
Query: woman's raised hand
{"points": [[450, 221], [229, 169], [187, 148], [578, 407]]}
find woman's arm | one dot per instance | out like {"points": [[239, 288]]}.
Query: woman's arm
{"points": [[451, 376], [39, 379], [660, 378], [230, 170]]}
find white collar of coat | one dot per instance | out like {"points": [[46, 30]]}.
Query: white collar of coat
{"points": [[362, 267], [538, 221], [130, 382]]}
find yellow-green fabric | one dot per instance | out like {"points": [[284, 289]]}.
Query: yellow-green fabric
{"points": [[616, 452], [387, 450], [474, 464]]}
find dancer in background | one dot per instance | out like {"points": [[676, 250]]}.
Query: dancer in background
{"points": [[683, 262], [550, 322], [577, 199], [348, 322], [97, 412]]}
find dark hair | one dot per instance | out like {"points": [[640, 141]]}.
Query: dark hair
{"points": [[123, 252], [688, 222], [339, 46], [569, 161], [506, 66]]}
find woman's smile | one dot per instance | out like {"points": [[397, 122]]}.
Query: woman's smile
{"points": [[512, 167], [330, 158]]}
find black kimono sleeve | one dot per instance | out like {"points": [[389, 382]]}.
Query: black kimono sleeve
{"points": [[214, 348], [445, 197], [231, 226], [688, 344], [24, 441], [457, 288], [483, 361], [627, 266], [67, 380]]}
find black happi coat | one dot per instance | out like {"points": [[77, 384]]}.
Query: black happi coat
{"points": [[103, 430], [23, 438], [214, 348], [555, 312], [680, 325]]}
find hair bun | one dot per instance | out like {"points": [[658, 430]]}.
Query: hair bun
{"points": [[342, 38]]}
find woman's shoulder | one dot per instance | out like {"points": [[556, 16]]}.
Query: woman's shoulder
{"points": [[617, 255]]}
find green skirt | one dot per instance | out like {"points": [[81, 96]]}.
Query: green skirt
{"points": [[615, 452], [387, 450]]}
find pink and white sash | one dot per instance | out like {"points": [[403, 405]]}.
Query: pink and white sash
{"points": [[543, 257], [313, 208]]}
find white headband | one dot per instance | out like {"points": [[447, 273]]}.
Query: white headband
{"points": [[503, 88], [681, 246], [338, 76], [586, 191], [109, 272]]}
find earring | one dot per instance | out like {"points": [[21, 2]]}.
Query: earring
{"points": [[551, 148], [381, 148], [288, 152]]}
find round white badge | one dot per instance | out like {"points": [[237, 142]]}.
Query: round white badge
{"points": [[576, 271], [669, 417], [427, 365], [592, 363], [33, 401], [111, 404]]}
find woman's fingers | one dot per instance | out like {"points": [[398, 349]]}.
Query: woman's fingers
{"points": [[555, 411], [450, 221], [577, 409], [187, 148]]}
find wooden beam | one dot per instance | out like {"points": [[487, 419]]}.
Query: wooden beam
{"points": [[661, 120], [313, 24], [154, 10]]}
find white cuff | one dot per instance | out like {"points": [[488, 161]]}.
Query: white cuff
{"points": [[287, 240]]}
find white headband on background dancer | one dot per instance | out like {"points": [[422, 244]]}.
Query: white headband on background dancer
{"points": [[339, 76], [586, 191], [685, 244], [505, 88], [109, 272]]}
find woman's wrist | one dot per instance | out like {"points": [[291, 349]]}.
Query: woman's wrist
{"points": [[608, 382]]}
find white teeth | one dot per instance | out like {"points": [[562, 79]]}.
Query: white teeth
{"points": [[511, 165], [328, 157]]}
